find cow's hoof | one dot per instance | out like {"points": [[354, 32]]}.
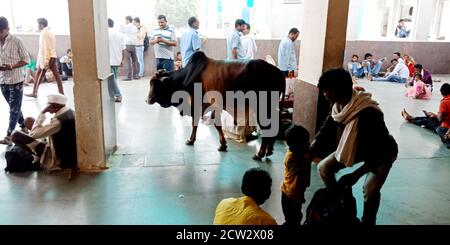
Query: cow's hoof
{"points": [[190, 142], [269, 153], [223, 148]]}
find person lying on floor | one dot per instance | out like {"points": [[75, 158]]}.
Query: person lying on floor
{"points": [[60, 150], [438, 123]]}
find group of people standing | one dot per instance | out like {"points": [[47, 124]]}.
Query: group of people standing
{"points": [[130, 42]]}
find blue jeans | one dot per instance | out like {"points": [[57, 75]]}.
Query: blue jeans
{"points": [[441, 131], [13, 95], [166, 64], [391, 78], [115, 71], [373, 70], [433, 124], [357, 72], [140, 57]]}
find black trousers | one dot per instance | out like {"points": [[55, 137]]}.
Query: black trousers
{"points": [[66, 69], [292, 211]]}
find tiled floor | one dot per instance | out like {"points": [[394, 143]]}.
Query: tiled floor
{"points": [[156, 179]]}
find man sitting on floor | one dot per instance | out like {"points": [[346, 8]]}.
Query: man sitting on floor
{"points": [[399, 75], [426, 76], [439, 123], [61, 149]]}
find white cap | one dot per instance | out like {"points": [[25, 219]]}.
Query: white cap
{"points": [[57, 99]]}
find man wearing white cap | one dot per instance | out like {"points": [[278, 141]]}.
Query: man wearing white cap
{"points": [[61, 149]]}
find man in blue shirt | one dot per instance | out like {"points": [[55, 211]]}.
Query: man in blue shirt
{"points": [[190, 41], [234, 44], [287, 59]]}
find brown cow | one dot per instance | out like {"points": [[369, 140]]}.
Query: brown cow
{"points": [[222, 77]]}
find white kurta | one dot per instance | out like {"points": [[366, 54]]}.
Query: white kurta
{"points": [[41, 131]]}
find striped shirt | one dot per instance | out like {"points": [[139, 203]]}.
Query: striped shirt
{"points": [[12, 52], [162, 50], [287, 59]]}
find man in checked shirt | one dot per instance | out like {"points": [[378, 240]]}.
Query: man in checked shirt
{"points": [[13, 58]]}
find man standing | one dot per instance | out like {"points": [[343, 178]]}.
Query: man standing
{"points": [[13, 58], [287, 59], [46, 58], [234, 43], [61, 149], [249, 47], [140, 45], [190, 41], [364, 137], [117, 49], [164, 42], [131, 39]]}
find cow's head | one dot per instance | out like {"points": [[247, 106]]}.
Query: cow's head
{"points": [[160, 91]]}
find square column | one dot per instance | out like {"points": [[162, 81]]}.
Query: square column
{"points": [[323, 39], [94, 105]]}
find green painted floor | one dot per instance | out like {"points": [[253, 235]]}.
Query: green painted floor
{"points": [[155, 179]]}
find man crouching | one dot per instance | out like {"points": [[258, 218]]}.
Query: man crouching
{"points": [[60, 150]]}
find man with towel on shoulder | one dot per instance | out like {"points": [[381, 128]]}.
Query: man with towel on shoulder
{"points": [[354, 132], [60, 150]]}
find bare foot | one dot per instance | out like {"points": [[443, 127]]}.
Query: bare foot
{"points": [[406, 115]]}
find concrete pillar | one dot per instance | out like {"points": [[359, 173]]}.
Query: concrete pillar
{"points": [[323, 47], [424, 19], [94, 106]]}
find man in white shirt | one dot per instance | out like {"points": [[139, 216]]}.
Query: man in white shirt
{"points": [[396, 56], [46, 58], [117, 49], [131, 32], [399, 75], [249, 47], [61, 150]]}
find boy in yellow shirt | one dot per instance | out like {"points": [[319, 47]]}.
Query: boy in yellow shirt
{"points": [[297, 173]]}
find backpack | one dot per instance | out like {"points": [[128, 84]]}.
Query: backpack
{"points": [[20, 160], [146, 43], [335, 206]]}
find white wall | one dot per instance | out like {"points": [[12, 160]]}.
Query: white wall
{"points": [[144, 9], [285, 17]]}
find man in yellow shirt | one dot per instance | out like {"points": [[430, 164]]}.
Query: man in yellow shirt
{"points": [[246, 210], [47, 58]]}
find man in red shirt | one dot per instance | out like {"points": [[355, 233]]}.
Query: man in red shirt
{"points": [[440, 123]]}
